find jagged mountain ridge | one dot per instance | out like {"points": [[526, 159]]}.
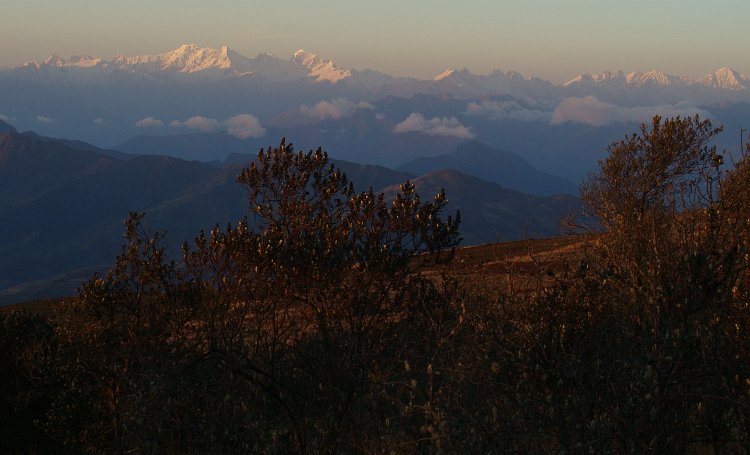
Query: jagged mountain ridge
{"points": [[724, 78], [190, 58], [220, 63]]}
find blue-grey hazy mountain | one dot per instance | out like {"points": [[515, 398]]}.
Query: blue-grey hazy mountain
{"points": [[363, 138], [7, 128], [363, 176], [80, 145], [76, 221], [504, 168], [490, 212], [31, 168]]}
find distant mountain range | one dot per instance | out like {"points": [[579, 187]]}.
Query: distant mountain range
{"points": [[359, 116], [206, 63], [504, 168], [63, 207]]}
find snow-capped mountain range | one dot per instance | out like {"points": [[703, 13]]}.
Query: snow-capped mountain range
{"points": [[725, 78], [205, 63], [225, 63]]}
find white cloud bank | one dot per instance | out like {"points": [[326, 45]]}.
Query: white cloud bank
{"points": [[42, 119], [244, 126], [149, 122], [434, 127], [506, 110], [590, 111], [335, 109], [240, 126], [197, 123]]}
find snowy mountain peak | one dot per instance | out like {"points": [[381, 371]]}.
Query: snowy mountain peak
{"points": [[726, 78], [205, 64], [189, 58], [581, 79], [609, 76], [514, 76], [320, 70], [84, 61], [657, 77], [302, 55], [55, 60], [308, 60]]}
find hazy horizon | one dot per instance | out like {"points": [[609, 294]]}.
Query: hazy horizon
{"points": [[552, 40]]}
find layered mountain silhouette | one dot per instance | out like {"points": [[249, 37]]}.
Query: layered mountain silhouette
{"points": [[63, 208], [80, 145], [504, 168], [474, 158], [6, 128], [31, 168], [490, 212], [220, 64]]}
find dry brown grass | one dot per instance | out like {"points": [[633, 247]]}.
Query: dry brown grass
{"points": [[521, 257], [44, 307]]}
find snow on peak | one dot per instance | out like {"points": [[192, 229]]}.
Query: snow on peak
{"points": [[636, 78], [609, 76], [320, 70], [84, 61], [583, 78], [515, 76], [188, 58], [55, 60], [658, 77], [726, 78], [302, 55], [652, 77], [223, 62], [308, 60], [444, 74]]}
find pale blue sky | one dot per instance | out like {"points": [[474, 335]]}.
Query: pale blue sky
{"points": [[552, 39]]}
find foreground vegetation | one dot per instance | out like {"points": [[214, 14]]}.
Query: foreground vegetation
{"points": [[313, 326]]}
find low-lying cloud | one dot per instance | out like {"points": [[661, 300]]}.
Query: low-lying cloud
{"points": [[197, 123], [590, 111], [42, 119], [244, 126], [240, 126], [434, 127], [335, 109], [506, 110], [149, 122]]}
